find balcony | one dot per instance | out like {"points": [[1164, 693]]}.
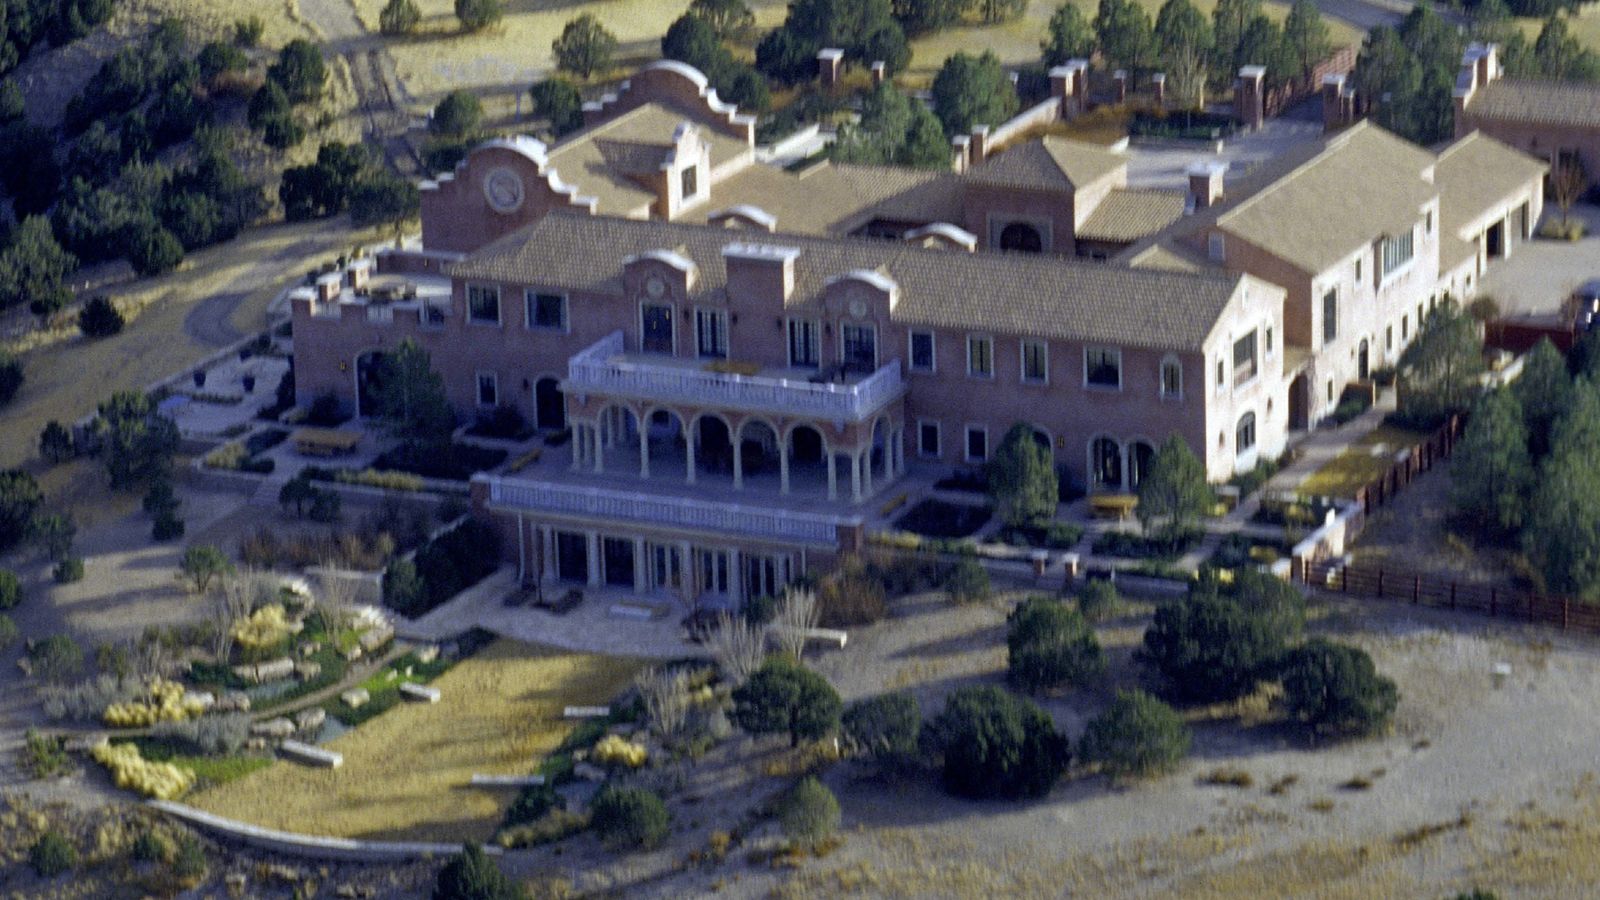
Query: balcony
{"points": [[605, 369]]}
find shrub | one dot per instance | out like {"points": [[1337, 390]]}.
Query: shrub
{"points": [[968, 582], [212, 735], [55, 443], [555, 825], [56, 659], [628, 817], [68, 570], [1137, 735], [166, 527], [784, 698], [247, 32], [1336, 689], [995, 744], [399, 17], [472, 875], [10, 377], [159, 780], [477, 14], [20, 498], [809, 813], [1099, 600], [851, 596], [885, 727], [1022, 482], [10, 590], [1050, 645], [558, 100], [51, 855], [1213, 646], [532, 802], [617, 751], [8, 632], [100, 318], [150, 846], [403, 590], [44, 756], [189, 863]]}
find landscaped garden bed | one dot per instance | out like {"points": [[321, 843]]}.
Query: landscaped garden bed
{"points": [[442, 568], [1158, 547], [939, 519], [457, 462], [1237, 550], [1054, 536]]}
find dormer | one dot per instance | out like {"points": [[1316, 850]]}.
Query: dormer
{"points": [[664, 275], [687, 171], [943, 236], [743, 216], [861, 294], [760, 270]]}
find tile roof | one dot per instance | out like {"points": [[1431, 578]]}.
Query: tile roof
{"points": [[1127, 215], [1050, 163], [1538, 100], [604, 161], [1006, 293], [832, 199], [1475, 175]]}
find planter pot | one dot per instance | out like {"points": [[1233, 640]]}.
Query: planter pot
{"points": [[199, 379], [249, 383]]}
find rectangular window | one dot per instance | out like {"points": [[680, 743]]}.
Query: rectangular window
{"points": [[804, 344], [977, 443], [483, 303], [1358, 270], [922, 357], [1269, 342], [1244, 358], [488, 389], [1171, 379], [655, 328], [1330, 316], [859, 347], [711, 333], [1405, 327], [1102, 367], [547, 311], [980, 356], [927, 438], [691, 183], [1396, 253], [1035, 362]]}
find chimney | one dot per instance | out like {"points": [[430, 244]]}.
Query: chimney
{"points": [[1249, 104], [880, 72], [830, 66], [1489, 64], [1158, 88], [1205, 184], [328, 287], [961, 148], [1061, 89], [1119, 86], [1333, 106], [359, 272], [760, 270], [1080, 85], [978, 149]]}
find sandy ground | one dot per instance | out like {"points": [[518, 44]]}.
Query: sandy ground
{"points": [[1415, 532]]}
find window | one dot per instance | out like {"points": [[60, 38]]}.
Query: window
{"points": [[483, 303], [1405, 327], [805, 348], [1244, 358], [922, 358], [547, 311], [1269, 342], [1222, 373], [1171, 379], [655, 328], [1396, 253], [1358, 270], [977, 443], [1102, 367], [690, 181], [711, 333], [1388, 338], [1427, 222], [1035, 362], [1105, 463], [860, 347], [927, 438], [1216, 248], [1330, 316], [980, 356], [488, 389], [1244, 435]]}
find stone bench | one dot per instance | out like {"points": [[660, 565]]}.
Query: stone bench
{"points": [[315, 756], [506, 780], [586, 712], [632, 611], [419, 692], [833, 637]]}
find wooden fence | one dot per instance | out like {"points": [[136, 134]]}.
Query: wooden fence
{"points": [[1443, 593], [1421, 457]]}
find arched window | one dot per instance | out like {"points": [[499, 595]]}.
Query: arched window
{"points": [[1022, 237], [1105, 463], [1140, 455], [1245, 433], [1171, 378]]}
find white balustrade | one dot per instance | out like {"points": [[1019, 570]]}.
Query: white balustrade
{"points": [[682, 512], [596, 370]]}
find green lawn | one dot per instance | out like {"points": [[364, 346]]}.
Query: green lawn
{"points": [[1360, 464]]}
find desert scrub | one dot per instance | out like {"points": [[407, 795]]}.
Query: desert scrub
{"points": [[44, 755], [615, 750], [162, 781], [165, 701], [809, 814], [629, 818], [52, 855]]}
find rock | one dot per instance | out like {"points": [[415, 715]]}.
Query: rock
{"points": [[206, 699], [234, 701], [283, 873], [236, 882], [353, 654], [309, 719], [310, 648], [409, 673], [307, 670], [390, 675], [428, 654], [373, 638], [256, 743], [419, 692], [355, 698], [589, 772], [273, 728]]}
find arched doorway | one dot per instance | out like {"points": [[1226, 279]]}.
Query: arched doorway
{"points": [[713, 445], [1362, 361], [1105, 464], [1140, 456], [550, 405], [758, 448], [664, 442], [369, 381], [1022, 237]]}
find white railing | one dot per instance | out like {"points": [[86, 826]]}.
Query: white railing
{"points": [[596, 370], [677, 512]]}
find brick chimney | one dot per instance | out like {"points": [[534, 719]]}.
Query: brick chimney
{"points": [[978, 148], [1119, 86], [1205, 184], [1158, 88], [830, 66], [1249, 100], [1333, 105], [1480, 64], [880, 72]]}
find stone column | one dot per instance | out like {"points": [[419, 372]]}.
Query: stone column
{"points": [[688, 452], [644, 453], [641, 569], [833, 480], [734, 438], [593, 539], [547, 537], [866, 469], [855, 477], [599, 446], [735, 578], [686, 572], [783, 466]]}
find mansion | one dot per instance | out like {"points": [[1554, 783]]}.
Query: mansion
{"points": [[747, 358]]}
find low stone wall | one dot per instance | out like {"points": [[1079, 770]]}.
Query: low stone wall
{"points": [[306, 845]]}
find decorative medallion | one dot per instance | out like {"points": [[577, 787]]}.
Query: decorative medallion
{"points": [[503, 189]]}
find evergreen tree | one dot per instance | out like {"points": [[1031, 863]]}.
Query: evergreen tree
{"points": [[1544, 390], [1306, 37], [1562, 534], [1174, 492], [1022, 481], [972, 90], [1491, 474], [1137, 736], [1124, 33], [409, 397], [1068, 36], [584, 47]]}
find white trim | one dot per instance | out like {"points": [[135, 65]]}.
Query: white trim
{"points": [[477, 388], [1089, 386], [997, 223], [527, 311], [1022, 361], [979, 336], [933, 351], [938, 437], [966, 443]]}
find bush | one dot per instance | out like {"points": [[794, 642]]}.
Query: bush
{"points": [[1137, 736], [761, 610], [10, 590], [968, 582], [189, 864], [399, 17], [474, 876], [166, 527], [1336, 689], [884, 728], [99, 318], [51, 855], [532, 802], [150, 846], [477, 14], [1050, 645], [1052, 536], [994, 744], [784, 698], [809, 813], [558, 100], [1165, 546], [247, 32], [44, 756], [131, 771], [55, 443], [1098, 600], [56, 659], [403, 589], [68, 570], [851, 596], [628, 817], [1214, 646]]}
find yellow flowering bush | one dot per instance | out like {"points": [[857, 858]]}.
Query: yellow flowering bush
{"points": [[167, 701], [163, 781], [614, 750], [266, 627]]}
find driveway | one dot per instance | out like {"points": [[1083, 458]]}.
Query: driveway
{"points": [[1540, 274]]}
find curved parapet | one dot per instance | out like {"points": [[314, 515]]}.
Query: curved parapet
{"points": [[681, 85]]}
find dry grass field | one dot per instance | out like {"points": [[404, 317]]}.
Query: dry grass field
{"points": [[405, 772]]}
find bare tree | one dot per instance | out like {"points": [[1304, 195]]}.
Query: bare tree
{"points": [[336, 597], [666, 699], [241, 593], [1186, 77], [738, 647], [797, 614], [1567, 181]]}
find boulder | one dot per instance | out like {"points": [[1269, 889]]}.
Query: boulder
{"points": [[428, 654], [306, 670], [310, 719], [355, 698], [273, 728], [234, 701], [373, 638], [353, 654]]}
